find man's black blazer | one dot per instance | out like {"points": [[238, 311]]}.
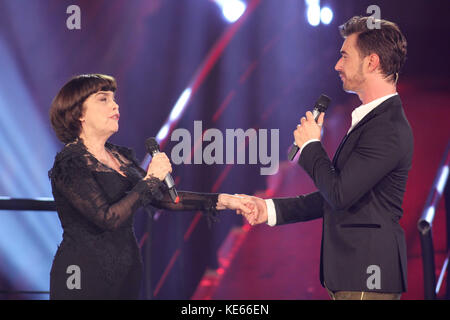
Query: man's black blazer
{"points": [[360, 195]]}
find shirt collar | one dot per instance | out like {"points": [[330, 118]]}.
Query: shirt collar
{"points": [[359, 113]]}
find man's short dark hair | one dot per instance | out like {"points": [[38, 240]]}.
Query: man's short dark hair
{"points": [[387, 42], [67, 107]]}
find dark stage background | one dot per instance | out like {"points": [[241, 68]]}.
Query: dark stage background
{"points": [[263, 71]]}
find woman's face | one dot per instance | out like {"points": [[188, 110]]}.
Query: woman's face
{"points": [[101, 114]]}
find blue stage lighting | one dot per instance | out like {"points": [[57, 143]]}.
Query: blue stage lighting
{"points": [[326, 15], [163, 132], [232, 10], [315, 14], [28, 240], [180, 105]]}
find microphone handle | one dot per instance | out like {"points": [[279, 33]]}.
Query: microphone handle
{"points": [[316, 114], [293, 152], [169, 181], [174, 195], [170, 184]]}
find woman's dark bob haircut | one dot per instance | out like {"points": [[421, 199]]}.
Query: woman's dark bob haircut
{"points": [[67, 107]]}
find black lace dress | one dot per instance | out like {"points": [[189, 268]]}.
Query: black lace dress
{"points": [[95, 205]]}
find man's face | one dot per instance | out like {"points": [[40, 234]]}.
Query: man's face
{"points": [[350, 66]]}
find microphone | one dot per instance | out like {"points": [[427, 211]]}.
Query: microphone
{"points": [[153, 148], [320, 106]]}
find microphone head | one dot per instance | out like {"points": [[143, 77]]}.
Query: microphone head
{"points": [[152, 145], [322, 103]]}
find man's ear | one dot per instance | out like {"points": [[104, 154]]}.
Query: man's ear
{"points": [[373, 62]]}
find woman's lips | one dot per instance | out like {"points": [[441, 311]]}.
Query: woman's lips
{"points": [[115, 117]]}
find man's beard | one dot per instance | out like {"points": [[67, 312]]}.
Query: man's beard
{"points": [[353, 84]]}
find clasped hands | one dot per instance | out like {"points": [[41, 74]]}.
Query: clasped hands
{"points": [[254, 209]]}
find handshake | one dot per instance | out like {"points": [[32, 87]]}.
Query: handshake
{"points": [[254, 209]]}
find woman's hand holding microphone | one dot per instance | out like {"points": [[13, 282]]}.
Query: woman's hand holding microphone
{"points": [[159, 167]]}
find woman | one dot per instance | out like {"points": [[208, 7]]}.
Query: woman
{"points": [[97, 186]]}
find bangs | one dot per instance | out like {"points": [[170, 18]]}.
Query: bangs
{"points": [[91, 83], [82, 86]]}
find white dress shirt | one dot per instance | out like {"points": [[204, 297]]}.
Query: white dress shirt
{"points": [[357, 115]]}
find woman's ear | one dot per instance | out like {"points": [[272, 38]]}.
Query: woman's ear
{"points": [[83, 112], [82, 119]]}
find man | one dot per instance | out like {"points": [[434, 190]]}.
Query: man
{"points": [[360, 192]]}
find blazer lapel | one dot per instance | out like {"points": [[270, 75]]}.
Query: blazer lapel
{"points": [[379, 109], [339, 149]]}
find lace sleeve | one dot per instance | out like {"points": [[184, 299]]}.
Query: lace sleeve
{"points": [[79, 187], [190, 201]]}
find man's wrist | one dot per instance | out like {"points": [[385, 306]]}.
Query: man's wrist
{"points": [[308, 142], [271, 213]]}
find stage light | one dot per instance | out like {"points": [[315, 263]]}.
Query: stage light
{"points": [[28, 240], [232, 10], [326, 15], [181, 103], [163, 132], [312, 2], [442, 179], [313, 13], [430, 213]]}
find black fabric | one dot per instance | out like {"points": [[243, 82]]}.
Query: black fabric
{"points": [[359, 197], [95, 205]]}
